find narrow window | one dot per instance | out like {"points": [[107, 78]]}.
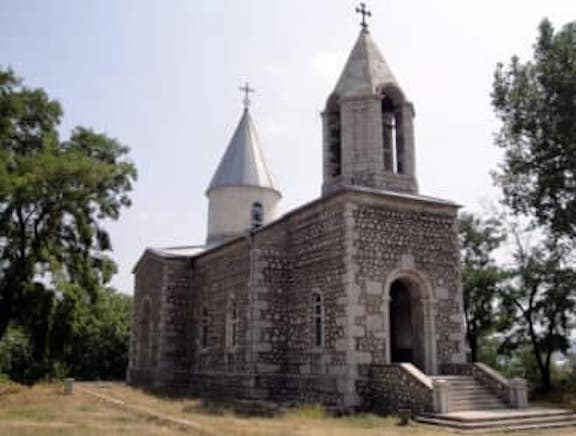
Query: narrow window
{"points": [[144, 353], [204, 329], [317, 320], [399, 143], [393, 137], [232, 327], [335, 142], [389, 134], [256, 215]]}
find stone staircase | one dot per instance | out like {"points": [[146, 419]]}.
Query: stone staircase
{"points": [[467, 394], [500, 420], [475, 409]]}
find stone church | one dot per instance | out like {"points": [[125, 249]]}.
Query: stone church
{"points": [[352, 300]]}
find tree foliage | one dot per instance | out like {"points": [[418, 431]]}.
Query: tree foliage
{"points": [[54, 196], [91, 340], [540, 297], [536, 102], [480, 276]]}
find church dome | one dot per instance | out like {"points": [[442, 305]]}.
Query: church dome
{"points": [[242, 195], [243, 163]]}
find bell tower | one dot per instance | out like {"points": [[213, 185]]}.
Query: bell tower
{"points": [[368, 130]]}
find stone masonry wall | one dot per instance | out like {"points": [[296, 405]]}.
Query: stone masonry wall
{"points": [[175, 341], [386, 389], [275, 357], [149, 281], [302, 257], [220, 277], [346, 248], [403, 237]]}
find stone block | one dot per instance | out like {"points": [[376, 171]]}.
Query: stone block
{"points": [[374, 323], [374, 288]]}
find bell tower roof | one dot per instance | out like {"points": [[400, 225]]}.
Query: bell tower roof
{"points": [[365, 70], [243, 163]]}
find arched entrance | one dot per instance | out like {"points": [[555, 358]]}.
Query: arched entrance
{"points": [[411, 324]]}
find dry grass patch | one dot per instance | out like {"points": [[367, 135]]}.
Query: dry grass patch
{"points": [[43, 410], [307, 420], [220, 418]]}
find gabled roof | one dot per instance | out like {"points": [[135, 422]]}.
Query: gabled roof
{"points": [[243, 163], [183, 252], [365, 69]]}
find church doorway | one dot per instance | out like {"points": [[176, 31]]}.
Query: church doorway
{"points": [[407, 327]]}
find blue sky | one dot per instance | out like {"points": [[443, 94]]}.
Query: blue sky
{"points": [[162, 77]]}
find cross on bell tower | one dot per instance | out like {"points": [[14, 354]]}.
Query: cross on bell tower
{"points": [[368, 129], [246, 90], [365, 13]]}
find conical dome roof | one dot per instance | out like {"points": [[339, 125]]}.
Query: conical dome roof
{"points": [[365, 69], [243, 163]]}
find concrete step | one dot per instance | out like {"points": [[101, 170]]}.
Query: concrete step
{"points": [[469, 407], [466, 393], [527, 424], [478, 404], [479, 401], [507, 419], [463, 384], [454, 378], [473, 387], [471, 395], [450, 377]]}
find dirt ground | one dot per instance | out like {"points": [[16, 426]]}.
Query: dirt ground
{"points": [[44, 410]]}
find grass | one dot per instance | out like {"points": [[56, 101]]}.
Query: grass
{"points": [[309, 411], [44, 410]]}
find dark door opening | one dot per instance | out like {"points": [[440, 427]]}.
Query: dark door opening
{"points": [[401, 327]]}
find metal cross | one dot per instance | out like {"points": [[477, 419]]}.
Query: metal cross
{"points": [[246, 90], [365, 13]]}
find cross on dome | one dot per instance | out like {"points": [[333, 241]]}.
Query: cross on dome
{"points": [[365, 13]]}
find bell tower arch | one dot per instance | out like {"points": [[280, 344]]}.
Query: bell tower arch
{"points": [[368, 126]]}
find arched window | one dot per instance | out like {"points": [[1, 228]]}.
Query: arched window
{"points": [[334, 133], [232, 324], [393, 138], [256, 215], [204, 328], [317, 320], [144, 347]]}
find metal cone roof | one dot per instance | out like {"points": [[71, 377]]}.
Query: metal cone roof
{"points": [[243, 163]]}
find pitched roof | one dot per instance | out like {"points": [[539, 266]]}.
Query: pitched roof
{"points": [[365, 69], [243, 163]]}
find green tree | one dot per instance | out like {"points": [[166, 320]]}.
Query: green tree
{"points": [[536, 102], [540, 296], [91, 339], [54, 196], [16, 355], [480, 276]]}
